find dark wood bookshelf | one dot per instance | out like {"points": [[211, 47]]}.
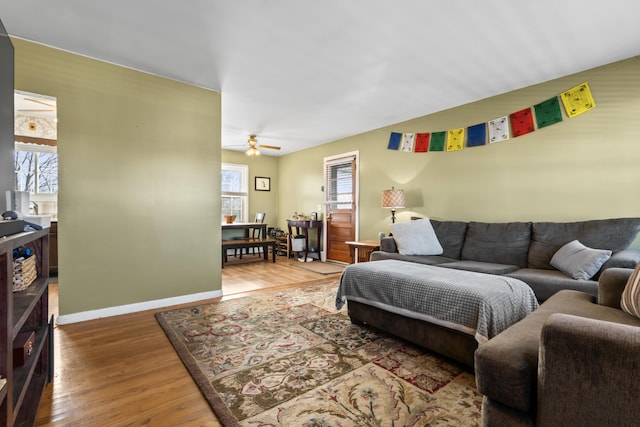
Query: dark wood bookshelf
{"points": [[24, 311]]}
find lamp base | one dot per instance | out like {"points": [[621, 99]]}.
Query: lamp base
{"points": [[393, 216]]}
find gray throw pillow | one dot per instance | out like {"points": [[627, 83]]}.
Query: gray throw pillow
{"points": [[416, 238], [578, 261]]}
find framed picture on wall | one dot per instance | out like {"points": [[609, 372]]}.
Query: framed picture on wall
{"points": [[263, 183]]}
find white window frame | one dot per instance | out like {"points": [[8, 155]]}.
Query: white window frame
{"points": [[38, 148], [244, 193]]}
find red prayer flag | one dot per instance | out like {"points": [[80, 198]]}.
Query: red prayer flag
{"points": [[521, 122], [422, 142]]}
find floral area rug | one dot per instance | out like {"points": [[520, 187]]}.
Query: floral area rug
{"points": [[288, 358]]}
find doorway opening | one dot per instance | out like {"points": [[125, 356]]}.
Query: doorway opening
{"points": [[36, 152], [35, 132]]}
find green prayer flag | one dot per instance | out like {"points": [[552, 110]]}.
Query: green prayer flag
{"points": [[437, 141], [548, 112]]}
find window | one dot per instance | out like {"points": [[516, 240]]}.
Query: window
{"points": [[235, 189], [339, 181], [36, 168]]}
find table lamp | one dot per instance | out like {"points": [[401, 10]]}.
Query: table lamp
{"points": [[393, 199]]}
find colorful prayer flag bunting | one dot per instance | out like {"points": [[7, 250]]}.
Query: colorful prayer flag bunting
{"points": [[548, 112], [455, 139], [394, 141], [498, 130], [477, 135], [437, 141], [422, 142], [577, 100], [521, 122]]}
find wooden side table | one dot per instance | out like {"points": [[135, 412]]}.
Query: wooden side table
{"points": [[305, 225], [364, 249]]}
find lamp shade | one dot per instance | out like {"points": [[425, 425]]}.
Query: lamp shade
{"points": [[393, 198]]}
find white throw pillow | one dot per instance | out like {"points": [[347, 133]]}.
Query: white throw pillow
{"points": [[416, 238], [578, 261]]}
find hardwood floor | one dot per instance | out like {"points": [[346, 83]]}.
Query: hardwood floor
{"points": [[122, 370]]}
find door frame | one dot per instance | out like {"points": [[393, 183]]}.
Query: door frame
{"points": [[356, 196]]}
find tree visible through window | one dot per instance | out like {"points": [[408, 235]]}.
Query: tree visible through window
{"points": [[235, 190], [36, 169]]}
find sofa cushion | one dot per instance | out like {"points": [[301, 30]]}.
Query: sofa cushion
{"points": [[451, 236], [416, 238], [547, 237], [422, 259], [500, 243], [626, 258], [481, 267], [547, 282], [578, 261], [630, 300]]}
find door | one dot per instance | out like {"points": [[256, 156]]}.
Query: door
{"points": [[341, 205]]}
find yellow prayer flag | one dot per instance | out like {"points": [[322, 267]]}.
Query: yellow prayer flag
{"points": [[577, 100], [455, 139]]}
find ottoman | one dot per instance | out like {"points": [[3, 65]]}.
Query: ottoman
{"points": [[444, 310]]}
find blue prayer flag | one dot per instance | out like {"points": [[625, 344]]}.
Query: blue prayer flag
{"points": [[477, 135], [394, 141]]}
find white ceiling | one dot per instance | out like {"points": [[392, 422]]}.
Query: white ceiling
{"points": [[299, 73]]}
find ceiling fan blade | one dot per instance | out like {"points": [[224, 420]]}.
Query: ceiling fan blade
{"points": [[40, 102], [271, 147]]}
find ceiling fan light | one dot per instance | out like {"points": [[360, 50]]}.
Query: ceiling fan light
{"points": [[252, 151]]}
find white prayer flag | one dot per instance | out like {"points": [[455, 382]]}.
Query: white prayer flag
{"points": [[408, 140], [499, 129]]}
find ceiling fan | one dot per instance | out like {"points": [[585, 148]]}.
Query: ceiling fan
{"points": [[52, 108], [253, 146]]}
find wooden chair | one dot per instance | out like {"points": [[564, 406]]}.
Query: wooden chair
{"points": [[254, 234]]}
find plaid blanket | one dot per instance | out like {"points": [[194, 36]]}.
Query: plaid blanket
{"points": [[482, 305]]}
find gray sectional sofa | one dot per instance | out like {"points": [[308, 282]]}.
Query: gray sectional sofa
{"points": [[524, 250]]}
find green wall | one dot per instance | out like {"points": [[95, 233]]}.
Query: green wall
{"points": [[265, 166], [582, 168], [139, 173]]}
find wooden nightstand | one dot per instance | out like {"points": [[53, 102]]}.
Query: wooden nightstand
{"points": [[364, 247]]}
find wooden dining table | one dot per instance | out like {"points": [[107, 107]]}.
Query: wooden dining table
{"points": [[247, 227], [248, 240]]}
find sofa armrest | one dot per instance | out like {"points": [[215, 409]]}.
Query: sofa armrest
{"points": [[388, 244], [626, 258], [611, 283], [588, 372]]}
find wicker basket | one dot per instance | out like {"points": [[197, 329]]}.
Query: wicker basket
{"points": [[24, 273]]}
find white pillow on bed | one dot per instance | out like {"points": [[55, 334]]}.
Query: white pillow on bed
{"points": [[416, 238]]}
